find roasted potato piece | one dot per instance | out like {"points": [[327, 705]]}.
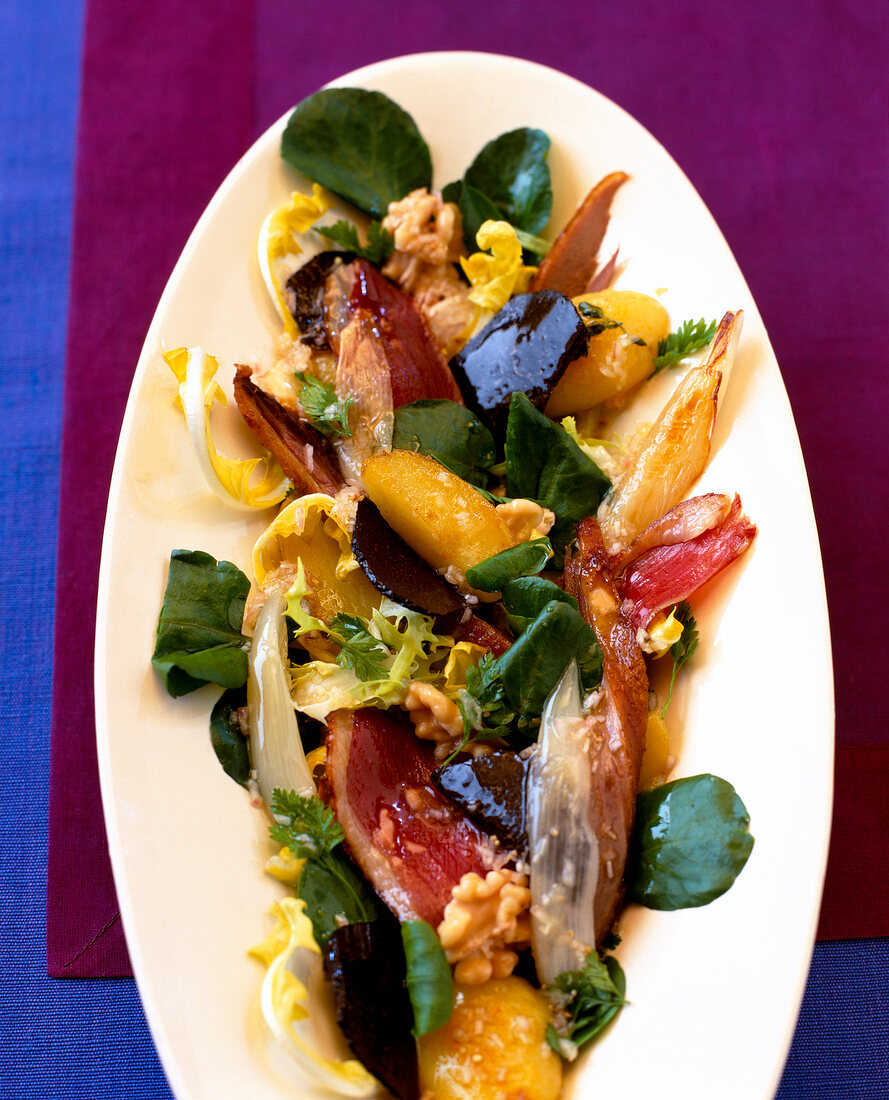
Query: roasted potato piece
{"points": [[493, 1047], [613, 363], [438, 514]]}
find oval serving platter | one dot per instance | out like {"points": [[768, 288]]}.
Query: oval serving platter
{"points": [[715, 991]]}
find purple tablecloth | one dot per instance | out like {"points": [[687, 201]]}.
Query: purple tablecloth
{"points": [[777, 118]]}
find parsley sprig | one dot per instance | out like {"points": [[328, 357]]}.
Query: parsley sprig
{"points": [[689, 337], [328, 412], [304, 825], [595, 994], [683, 649], [360, 650], [378, 246]]}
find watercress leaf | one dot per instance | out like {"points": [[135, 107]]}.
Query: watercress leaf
{"points": [[523, 560], [199, 639], [524, 599], [227, 737], [335, 893], [689, 337], [359, 144], [360, 650], [475, 209], [544, 463], [450, 433], [429, 981], [533, 665], [512, 171], [690, 842]]}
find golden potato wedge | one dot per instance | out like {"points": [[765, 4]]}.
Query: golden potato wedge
{"points": [[493, 1046], [438, 514], [613, 364]]}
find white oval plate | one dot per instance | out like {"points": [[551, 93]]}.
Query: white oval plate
{"points": [[714, 991]]}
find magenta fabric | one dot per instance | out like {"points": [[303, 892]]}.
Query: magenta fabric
{"points": [[775, 114]]}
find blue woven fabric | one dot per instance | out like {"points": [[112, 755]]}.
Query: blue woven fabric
{"points": [[88, 1040]]}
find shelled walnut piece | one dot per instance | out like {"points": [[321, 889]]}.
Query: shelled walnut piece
{"points": [[484, 919]]}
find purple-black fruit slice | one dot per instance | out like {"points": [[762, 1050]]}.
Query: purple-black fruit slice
{"points": [[526, 346], [491, 792], [395, 569], [364, 963]]}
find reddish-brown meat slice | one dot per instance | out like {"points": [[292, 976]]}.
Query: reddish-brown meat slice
{"points": [[481, 633], [412, 845], [304, 454], [417, 367], [663, 576], [618, 740], [570, 265]]}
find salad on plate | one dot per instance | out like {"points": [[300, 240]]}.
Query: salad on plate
{"points": [[447, 677]]}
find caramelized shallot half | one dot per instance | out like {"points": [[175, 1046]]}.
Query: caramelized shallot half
{"points": [[668, 573], [570, 265], [276, 750], [617, 739], [362, 374], [562, 840], [676, 449], [304, 454]]}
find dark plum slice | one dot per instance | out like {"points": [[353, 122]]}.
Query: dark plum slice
{"points": [[395, 569], [526, 346], [491, 791], [365, 966]]}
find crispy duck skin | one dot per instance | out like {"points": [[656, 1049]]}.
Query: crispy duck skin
{"points": [[304, 454], [618, 737], [570, 265]]}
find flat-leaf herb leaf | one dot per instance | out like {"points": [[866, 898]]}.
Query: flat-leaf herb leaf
{"points": [[360, 650], [328, 412]]}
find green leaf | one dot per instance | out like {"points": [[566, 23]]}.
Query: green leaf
{"points": [[475, 209], [523, 560], [429, 983], [545, 464], [377, 248], [304, 825], [332, 888], [199, 639], [328, 412], [513, 173], [449, 433], [360, 651], [682, 650], [360, 145], [525, 598], [335, 893], [690, 842], [596, 994], [689, 337], [534, 663], [227, 737]]}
